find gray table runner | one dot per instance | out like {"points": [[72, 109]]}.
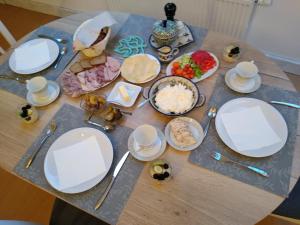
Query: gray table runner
{"points": [[278, 165], [70, 117], [50, 73], [142, 26]]}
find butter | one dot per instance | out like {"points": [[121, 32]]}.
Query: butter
{"points": [[124, 94]]}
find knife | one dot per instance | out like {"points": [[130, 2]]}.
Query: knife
{"points": [[116, 171], [287, 104]]}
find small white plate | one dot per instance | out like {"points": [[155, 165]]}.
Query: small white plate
{"points": [[53, 51], [194, 127], [116, 98], [272, 115], [232, 81], [204, 76], [151, 78], [69, 138], [148, 154], [53, 89]]}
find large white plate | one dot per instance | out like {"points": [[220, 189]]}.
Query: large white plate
{"points": [[272, 115], [151, 78], [204, 76], [69, 138], [196, 130], [53, 53]]}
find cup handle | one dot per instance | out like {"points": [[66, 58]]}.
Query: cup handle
{"points": [[175, 51], [201, 101]]}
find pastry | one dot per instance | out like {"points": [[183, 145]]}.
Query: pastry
{"points": [[181, 133]]}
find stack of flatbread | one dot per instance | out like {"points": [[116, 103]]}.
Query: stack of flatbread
{"points": [[140, 68]]}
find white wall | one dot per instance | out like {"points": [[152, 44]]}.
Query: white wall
{"points": [[78, 5], [276, 29]]}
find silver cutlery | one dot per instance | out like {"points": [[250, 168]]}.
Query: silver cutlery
{"points": [[219, 157], [116, 171], [211, 114], [61, 54], [286, 104], [19, 79], [60, 40], [145, 101], [50, 131], [107, 127]]}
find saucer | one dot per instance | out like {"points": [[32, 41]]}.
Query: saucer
{"points": [[234, 82], [53, 89], [148, 154]]}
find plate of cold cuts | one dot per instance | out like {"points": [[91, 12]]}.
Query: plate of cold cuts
{"points": [[87, 75]]}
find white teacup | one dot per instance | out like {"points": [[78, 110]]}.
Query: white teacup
{"points": [[145, 136], [38, 87], [246, 70]]}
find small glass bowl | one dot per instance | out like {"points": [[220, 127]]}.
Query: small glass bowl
{"points": [[231, 57], [27, 113], [92, 103], [160, 170]]}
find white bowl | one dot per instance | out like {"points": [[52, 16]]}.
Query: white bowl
{"points": [[96, 49]]}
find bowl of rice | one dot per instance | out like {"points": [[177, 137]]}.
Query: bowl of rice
{"points": [[175, 96]]}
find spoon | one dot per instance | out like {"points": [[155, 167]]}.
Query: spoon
{"points": [[61, 54], [107, 127], [145, 101], [211, 114], [50, 131], [60, 40]]}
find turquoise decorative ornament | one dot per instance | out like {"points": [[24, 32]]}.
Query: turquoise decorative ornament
{"points": [[130, 45]]}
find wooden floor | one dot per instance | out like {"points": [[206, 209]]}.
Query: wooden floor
{"points": [[21, 201], [18, 199]]}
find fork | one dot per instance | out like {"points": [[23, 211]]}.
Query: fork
{"points": [[50, 131], [219, 157]]}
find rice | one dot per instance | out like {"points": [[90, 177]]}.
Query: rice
{"points": [[176, 99]]}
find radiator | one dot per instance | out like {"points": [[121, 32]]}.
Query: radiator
{"points": [[230, 17]]}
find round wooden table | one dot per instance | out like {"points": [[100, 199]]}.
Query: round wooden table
{"points": [[195, 195]]}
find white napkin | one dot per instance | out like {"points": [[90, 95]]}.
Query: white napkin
{"points": [[79, 163], [89, 33], [32, 56], [248, 129]]}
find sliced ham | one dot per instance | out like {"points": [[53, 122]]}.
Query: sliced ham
{"points": [[113, 64], [71, 84], [91, 79]]}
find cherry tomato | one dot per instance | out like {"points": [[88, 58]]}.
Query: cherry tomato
{"points": [[176, 65], [179, 71]]}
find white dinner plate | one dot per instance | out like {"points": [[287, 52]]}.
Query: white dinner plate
{"points": [[273, 117], [196, 130], [53, 51], [150, 78], [69, 138], [204, 76]]}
